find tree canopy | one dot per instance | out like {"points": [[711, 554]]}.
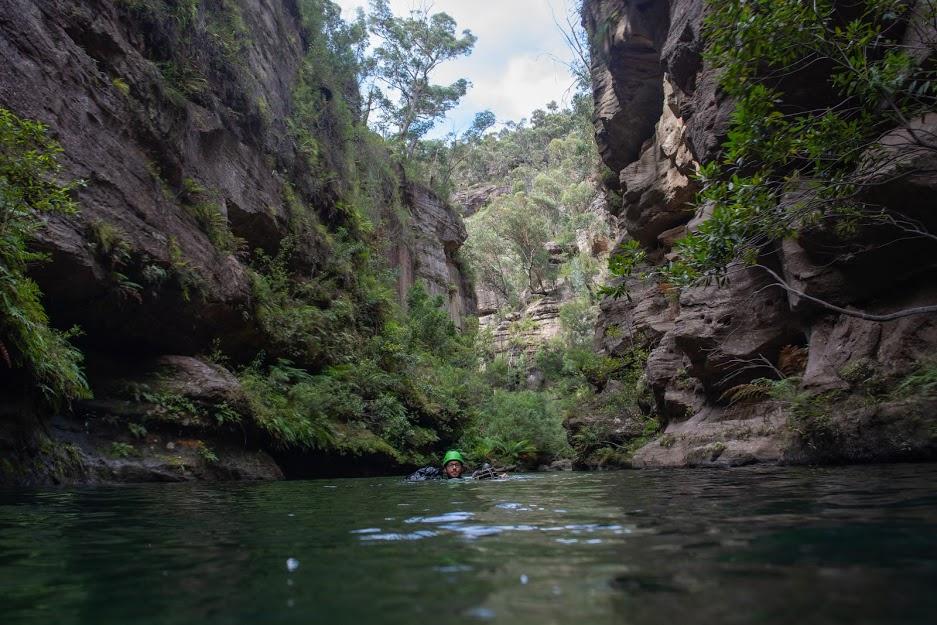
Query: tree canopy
{"points": [[410, 49]]}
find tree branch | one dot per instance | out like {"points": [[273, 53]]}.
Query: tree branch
{"points": [[858, 314]]}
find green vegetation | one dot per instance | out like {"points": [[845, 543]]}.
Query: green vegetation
{"points": [[121, 450], [524, 243], [410, 381], [810, 414], [788, 166], [137, 430], [518, 426], [218, 25], [185, 276], [921, 381], [203, 205], [409, 50], [113, 251], [344, 368], [206, 453], [792, 165], [28, 170], [173, 408], [121, 86], [548, 169], [524, 425]]}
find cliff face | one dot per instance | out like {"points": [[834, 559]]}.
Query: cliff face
{"points": [[178, 121], [658, 115], [91, 72], [429, 253]]}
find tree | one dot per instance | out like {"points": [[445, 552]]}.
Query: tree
{"points": [[442, 157], [492, 263], [577, 43], [524, 225], [790, 167], [411, 49]]}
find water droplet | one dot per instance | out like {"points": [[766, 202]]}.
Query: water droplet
{"points": [[292, 564]]}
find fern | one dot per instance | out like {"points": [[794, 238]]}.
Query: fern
{"points": [[756, 390], [28, 164], [921, 381]]}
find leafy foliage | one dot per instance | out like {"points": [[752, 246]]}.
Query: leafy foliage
{"points": [[203, 205], [411, 382], [289, 404], [921, 381], [409, 51], [546, 166], [785, 166], [518, 426], [28, 169]]}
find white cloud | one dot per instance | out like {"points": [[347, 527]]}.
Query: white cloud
{"points": [[513, 68]]}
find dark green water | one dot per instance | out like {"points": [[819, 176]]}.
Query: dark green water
{"points": [[786, 546]]}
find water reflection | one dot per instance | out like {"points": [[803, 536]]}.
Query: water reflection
{"points": [[762, 546]]}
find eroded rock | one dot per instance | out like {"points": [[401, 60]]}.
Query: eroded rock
{"points": [[708, 349]]}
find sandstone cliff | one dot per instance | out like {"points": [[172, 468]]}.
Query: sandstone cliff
{"points": [[430, 253], [181, 126], [658, 115]]}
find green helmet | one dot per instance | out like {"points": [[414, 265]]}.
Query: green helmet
{"points": [[451, 455]]}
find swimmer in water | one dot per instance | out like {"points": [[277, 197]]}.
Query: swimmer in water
{"points": [[453, 468]]}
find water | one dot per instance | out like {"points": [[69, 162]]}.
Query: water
{"points": [[786, 546]]}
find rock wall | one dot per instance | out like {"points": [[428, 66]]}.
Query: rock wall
{"points": [[658, 115], [163, 123], [90, 71], [429, 253]]}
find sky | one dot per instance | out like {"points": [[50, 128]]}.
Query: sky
{"points": [[513, 68]]}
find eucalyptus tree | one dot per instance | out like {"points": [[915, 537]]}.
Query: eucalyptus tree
{"points": [[410, 50]]}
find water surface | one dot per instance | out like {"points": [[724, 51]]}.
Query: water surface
{"points": [[787, 546]]}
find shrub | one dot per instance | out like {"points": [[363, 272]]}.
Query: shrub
{"points": [[921, 381], [518, 426], [289, 404], [28, 168], [776, 146], [204, 206], [121, 450]]}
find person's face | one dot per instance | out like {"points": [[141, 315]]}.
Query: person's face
{"points": [[454, 468]]}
